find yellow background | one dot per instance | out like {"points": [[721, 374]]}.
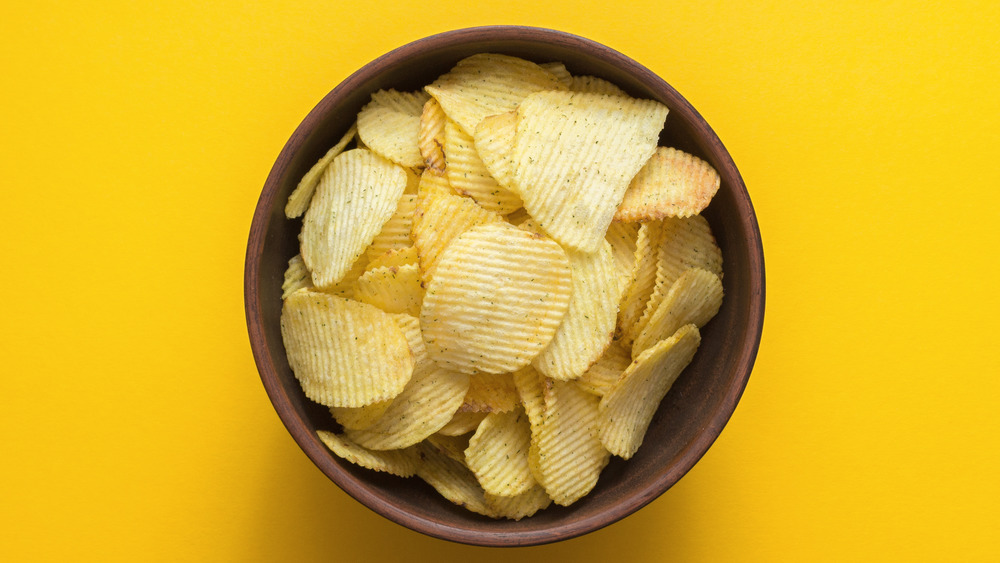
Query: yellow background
{"points": [[135, 138]]}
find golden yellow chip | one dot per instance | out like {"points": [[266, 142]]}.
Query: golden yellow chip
{"points": [[439, 218], [641, 281], [672, 183], [568, 456], [498, 453], [628, 407], [357, 195], [606, 371], [453, 446], [589, 324], [299, 201], [390, 126], [623, 238], [497, 296], [594, 85], [431, 137], [469, 176], [494, 141], [575, 154], [530, 388], [359, 418], [462, 423], [344, 353], [395, 462], [489, 392], [487, 84], [394, 289], [297, 277], [394, 258], [694, 298], [559, 70], [451, 479], [395, 234], [519, 506]]}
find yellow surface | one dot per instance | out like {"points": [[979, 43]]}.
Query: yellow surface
{"points": [[134, 140]]}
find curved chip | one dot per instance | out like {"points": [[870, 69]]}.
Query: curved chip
{"points": [[490, 392], [594, 85], [344, 353], [297, 277], [623, 238], [628, 407], [518, 506], [606, 371], [430, 140], [462, 423], [395, 462], [357, 195], [469, 176], [494, 141], [672, 183], [694, 298], [451, 479], [299, 200], [395, 233], [575, 154], [394, 289], [560, 71], [389, 125], [641, 281], [498, 453], [589, 324], [496, 299]]}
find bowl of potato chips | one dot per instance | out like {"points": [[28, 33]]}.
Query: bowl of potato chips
{"points": [[504, 286]]}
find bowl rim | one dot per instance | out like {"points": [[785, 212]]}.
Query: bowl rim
{"points": [[320, 455]]}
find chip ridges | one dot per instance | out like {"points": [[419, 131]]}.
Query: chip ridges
{"points": [[672, 183]]}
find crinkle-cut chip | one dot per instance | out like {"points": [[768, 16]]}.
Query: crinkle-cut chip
{"points": [[390, 126], [344, 353], [530, 388], [451, 479], [672, 183], [439, 218], [431, 138], [684, 243], [623, 238], [453, 446], [560, 72], [589, 324], [641, 281], [357, 194], [395, 257], [395, 233], [394, 289], [346, 287], [627, 408], [606, 371], [694, 298], [575, 155], [395, 462], [496, 299], [594, 85], [569, 456], [487, 84], [490, 392], [462, 423], [362, 417], [520, 506], [299, 201], [469, 176], [498, 453], [494, 141], [297, 277]]}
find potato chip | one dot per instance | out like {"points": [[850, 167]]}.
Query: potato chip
{"points": [[394, 258], [628, 407], [487, 84], [606, 371], [530, 388], [344, 353], [357, 195], [672, 183], [394, 289], [494, 139], [498, 453], [490, 392], [297, 277], [594, 85], [496, 299], [694, 298], [359, 418], [439, 218], [641, 280], [559, 70], [395, 234], [390, 126], [623, 238], [299, 201], [518, 506], [451, 479], [575, 154], [462, 423], [430, 140], [395, 462], [469, 176], [589, 324], [569, 457]]}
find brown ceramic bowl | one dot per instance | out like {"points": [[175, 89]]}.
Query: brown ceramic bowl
{"points": [[690, 417]]}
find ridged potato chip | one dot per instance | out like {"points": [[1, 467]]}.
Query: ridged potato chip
{"points": [[490, 392], [297, 277], [453, 446], [641, 281], [451, 479], [605, 372], [389, 125], [518, 506], [344, 353], [628, 407], [394, 258], [494, 140], [575, 154], [594, 85], [402, 463], [589, 324], [560, 71], [694, 298], [487, 84], [357, 195], [359, 418], [298, 201], [462, 423], [498, 453], [496, 299], [672, 183], [394, 289], [395, 233], [430, 140], [469, 176], [623, 238]]}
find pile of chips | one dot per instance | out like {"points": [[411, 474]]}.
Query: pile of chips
{"points": [[500, 278]]}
